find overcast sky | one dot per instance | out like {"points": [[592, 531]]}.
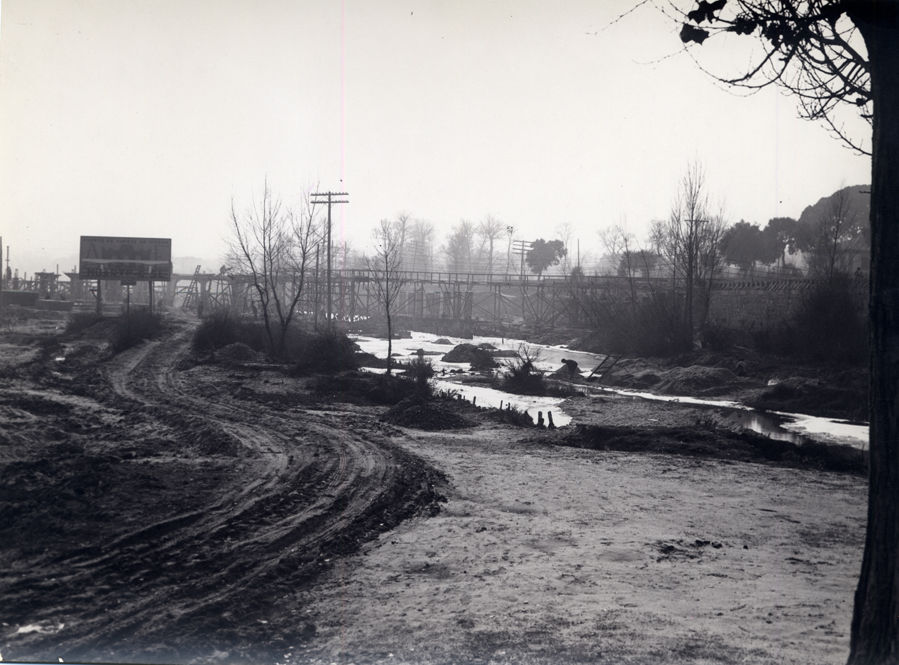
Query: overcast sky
{"points": [[146, 117]]}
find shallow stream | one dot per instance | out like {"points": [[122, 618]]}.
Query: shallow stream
{"points": [[792, 427]]}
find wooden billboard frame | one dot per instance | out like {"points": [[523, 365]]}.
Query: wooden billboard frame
{"points": [[125, 258]]}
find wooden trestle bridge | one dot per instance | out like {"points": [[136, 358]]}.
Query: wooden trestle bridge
{"points": [[441, 302]]}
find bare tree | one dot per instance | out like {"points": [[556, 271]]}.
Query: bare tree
{"points": [[273, 247], [621, 246], [656, 236], [459, 247], [692, 245], [402, 224], [565, 230], [422, 236], [489, 231], [386, 274]]}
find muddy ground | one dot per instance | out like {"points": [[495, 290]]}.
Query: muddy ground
{"points": [[157, 510]]}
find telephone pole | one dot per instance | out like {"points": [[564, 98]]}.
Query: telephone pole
{"points": [[328, 197], [522, 247]]}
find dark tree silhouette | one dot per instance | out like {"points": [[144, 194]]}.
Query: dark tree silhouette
{"points": [[831, 236], [811, 48], [780, 237], [545, 253], [744, 245]]}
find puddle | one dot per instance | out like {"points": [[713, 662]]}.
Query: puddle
{"points": [[763, 423], [793, 427], [485, 397], [492, 398]]}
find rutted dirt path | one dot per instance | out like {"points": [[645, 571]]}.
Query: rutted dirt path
{"points": [[255, 502], [152, 511]]}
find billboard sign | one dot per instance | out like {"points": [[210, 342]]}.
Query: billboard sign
{"points": [[141, 259]]}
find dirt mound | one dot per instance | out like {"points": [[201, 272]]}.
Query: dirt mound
{"points": [[696, 378], [711, 442], [417, 413], [691, 380], [640, 380], [846, 397], [480, 358], [461, 353], [237, 353]]}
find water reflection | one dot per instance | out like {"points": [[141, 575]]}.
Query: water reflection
{"points": [[492, 398], [764, 423]]}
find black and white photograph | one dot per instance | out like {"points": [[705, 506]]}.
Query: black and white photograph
{"points": [[449, 332]]}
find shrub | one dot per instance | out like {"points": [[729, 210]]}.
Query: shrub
{"points": [[830, 322], [521, 376], [82, 321], [779, 340], [511, 415], [222, 328], [390, 389], [420, 370], [327, 351], [828, 325], [362, 388], [719, 337], [649, 327], [134, 327]]}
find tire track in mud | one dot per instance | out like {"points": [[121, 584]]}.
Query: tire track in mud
{"points": [[204, 577]]}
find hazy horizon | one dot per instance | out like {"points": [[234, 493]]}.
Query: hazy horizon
{"points": [[138, 118]]}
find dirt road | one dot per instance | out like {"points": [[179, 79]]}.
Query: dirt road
{"points": [[154, 511], [184, 520]]}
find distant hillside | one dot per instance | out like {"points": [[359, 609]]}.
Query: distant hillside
{"points": [[858, 200]]}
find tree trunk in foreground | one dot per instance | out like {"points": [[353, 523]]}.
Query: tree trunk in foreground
{"points": [[875, 620]]}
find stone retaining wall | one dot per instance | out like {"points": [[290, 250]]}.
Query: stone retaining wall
{"points": [[760, 304]]}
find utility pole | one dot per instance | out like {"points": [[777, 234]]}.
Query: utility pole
{"points": [[521, 246], [511, 231], [328, 197]]}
